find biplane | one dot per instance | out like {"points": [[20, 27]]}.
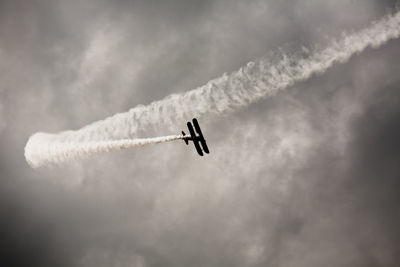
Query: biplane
{"points": [[196, 137]]}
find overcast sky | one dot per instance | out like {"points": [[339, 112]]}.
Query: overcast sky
{"points": [[309, 177]]}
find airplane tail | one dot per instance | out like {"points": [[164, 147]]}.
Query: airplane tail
{"points": [[185, 139]]}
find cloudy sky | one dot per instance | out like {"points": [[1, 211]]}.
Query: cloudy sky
{"points": [[309, 177]]}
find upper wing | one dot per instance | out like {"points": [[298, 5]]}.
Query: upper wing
{"points": [[201, 137], [195, 139]]}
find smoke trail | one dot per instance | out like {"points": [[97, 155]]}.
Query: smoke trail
{"points": [[43, 149], [259, 79]]}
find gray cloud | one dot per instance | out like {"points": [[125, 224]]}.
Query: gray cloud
{"points": [[306, 178]]}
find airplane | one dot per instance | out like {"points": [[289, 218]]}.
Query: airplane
{"points": [[197, 139]]}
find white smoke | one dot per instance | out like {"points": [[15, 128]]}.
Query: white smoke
{"points": [[44, 149], [259, 79]]}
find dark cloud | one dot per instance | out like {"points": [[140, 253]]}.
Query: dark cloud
{"points": [[305, 178]]}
